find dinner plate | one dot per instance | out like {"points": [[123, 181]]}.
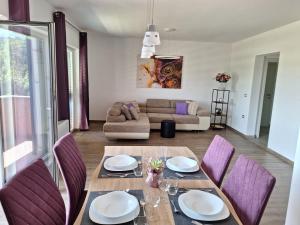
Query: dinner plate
{"points": [[104, 220], [120, 163], [203, 203], [221, 215], [115, 204], [114, 208], [182, 164]]}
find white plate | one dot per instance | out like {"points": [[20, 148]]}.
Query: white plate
{"points": [[120, 163], [115, 204], [182, 164], [103, 220], [223, 214], [203, 203]]}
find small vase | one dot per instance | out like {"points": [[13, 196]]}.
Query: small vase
{"points": [[153, 178], [222, 85]]}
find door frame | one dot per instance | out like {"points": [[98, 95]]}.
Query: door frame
{"points": [[267, 59], [53, 103]]}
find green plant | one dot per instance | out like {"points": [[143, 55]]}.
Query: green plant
{"points": [[156, 166]]}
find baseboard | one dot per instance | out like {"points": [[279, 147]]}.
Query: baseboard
{"points": [[97, 121], [250, 138]]}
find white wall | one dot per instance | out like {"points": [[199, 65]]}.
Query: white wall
{"points": [[113, 69], [286, 109], [294, 199], [101, 74]]}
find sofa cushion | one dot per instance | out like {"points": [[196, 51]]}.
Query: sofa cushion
{"points": [[185, 119], [181, 108], [161, 110], [192, 107], [132, 126], [158, 103], [120, 118], [126, 112], [114, 111], [134, 104], [158, 117], [134, 113]]}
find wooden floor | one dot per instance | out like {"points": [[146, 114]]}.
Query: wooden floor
{"points": [[92, 144]]}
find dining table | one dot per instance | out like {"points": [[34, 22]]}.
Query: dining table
{"points": [[165, 214]]}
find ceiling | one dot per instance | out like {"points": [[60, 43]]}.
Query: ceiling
{"points": [[201, 20]]}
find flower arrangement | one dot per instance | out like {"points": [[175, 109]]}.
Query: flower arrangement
{"points": [[223, 77], [155, 171], [156, 166]]}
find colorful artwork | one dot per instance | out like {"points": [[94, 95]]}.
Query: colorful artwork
{"points": [[159, 73]]}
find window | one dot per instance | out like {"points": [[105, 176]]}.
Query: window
{"points": [[73, 75], [26, 116]]}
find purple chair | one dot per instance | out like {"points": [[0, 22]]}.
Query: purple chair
{"points": [[217, 158], [248, 188], [32, 197], [73, 171]]}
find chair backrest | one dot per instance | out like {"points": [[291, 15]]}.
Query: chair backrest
{"points": [[73, 171], [248, 188], [32, 197], [217, 158]]}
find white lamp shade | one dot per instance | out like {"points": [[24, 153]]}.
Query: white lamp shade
{"points": [[148, 49], [147, 52], [146, 55], [151, 38]]}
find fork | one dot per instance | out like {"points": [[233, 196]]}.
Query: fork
{"points": [[175, 210], [189, 175], [119, 175], [189, 189]]}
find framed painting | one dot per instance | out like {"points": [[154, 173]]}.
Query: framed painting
{"points": [[160, 72]]}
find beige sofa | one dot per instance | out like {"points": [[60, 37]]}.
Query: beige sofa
{"points": [[150, 116]]}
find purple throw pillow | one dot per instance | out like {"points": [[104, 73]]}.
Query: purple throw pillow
{"points": [[181, 108], [129, 105]]}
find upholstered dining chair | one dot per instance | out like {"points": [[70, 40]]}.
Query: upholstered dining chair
{"points": [[248, 188], [217, 158], [73, 171], [32, 197]]}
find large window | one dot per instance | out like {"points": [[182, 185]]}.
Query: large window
{"points": [[72, 54], [26, 113]]}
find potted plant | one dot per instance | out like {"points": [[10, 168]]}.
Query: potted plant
{"points": [[154, 170], [223, 78]]}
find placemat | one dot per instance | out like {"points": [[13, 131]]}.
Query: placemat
{"points": [[86, 219], [199, 175], [104, 173], [182, 219]]}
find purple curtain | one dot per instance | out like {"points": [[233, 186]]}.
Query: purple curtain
{"points": [[84, 82], [62, 66], [19, 10]]}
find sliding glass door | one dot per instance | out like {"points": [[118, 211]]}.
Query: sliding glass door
{"points": [[27, 118]]}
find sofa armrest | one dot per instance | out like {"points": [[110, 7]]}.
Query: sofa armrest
{"points": [[202, 112]]}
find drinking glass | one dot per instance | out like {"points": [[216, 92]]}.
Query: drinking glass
{"points": [[164, 150], [138, 171], [152, 207], [173, 185], [164, 187]]}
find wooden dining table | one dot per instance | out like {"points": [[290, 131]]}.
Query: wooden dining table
{"points": [[165, 215]]}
